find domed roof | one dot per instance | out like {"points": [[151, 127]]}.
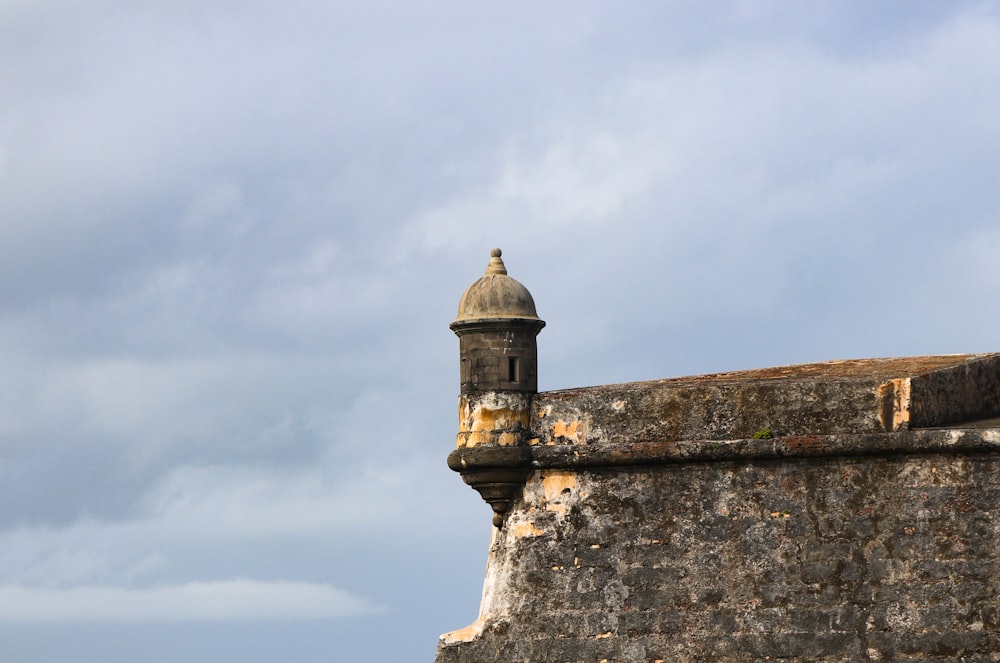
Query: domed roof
{"points": [[496, 295]]}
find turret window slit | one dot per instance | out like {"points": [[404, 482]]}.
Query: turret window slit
{"points": [[512, 369]]}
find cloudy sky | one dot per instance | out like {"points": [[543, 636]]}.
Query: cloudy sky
{"points": [[233, 234]]}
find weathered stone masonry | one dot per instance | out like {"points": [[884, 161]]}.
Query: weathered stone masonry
{"points": [[827, 512]]}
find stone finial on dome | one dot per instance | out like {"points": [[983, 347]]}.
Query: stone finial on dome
{"points": [[496, 265]]}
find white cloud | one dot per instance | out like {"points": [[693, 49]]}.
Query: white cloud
{"points": [[745, 144], [214, 503], [584, 178], [195, 601], [215, 512]]}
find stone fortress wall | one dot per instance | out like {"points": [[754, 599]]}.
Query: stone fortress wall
{"points": [[825, 512]]}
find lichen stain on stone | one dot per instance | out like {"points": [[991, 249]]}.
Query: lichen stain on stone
{"points": [[467, 634], [489, 419], [492, 411], [468, 440], [572, 430], [556, 488], [507, 439], [492, 419], [895, 400], [525, 528]]}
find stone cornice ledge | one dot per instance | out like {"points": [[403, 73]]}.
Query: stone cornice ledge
{"points": [[624, 454], [804, 446]]}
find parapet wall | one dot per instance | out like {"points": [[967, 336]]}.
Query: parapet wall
{"points": [[829, 512], [856, 396]]}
